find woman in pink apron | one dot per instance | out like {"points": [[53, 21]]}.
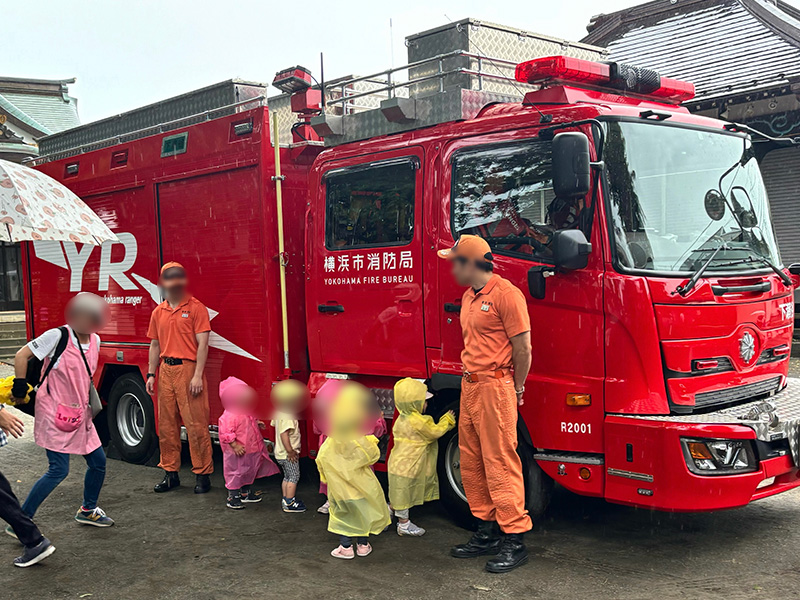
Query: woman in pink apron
{"points": [[63, 418]]}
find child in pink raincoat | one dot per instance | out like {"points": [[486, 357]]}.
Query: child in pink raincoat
{"points": [[244, 455], [323, 401]]}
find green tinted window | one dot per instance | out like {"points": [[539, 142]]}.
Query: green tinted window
{"points": [[370, 205], [174, 144]]}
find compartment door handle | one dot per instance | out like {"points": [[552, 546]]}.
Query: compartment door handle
{"points": [[330, 308]]}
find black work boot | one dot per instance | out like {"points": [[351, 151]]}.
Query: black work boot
{"points": [[486, 540], [170, 481], [202, 485], [513, 553]]}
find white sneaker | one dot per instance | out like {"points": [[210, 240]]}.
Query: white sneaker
{"points": [[410, 529], [325, 508]]}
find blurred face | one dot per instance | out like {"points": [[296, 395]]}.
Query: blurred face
{"points": [[87, 313], [289, 396], [352, 412], [464, 271], [246, 400], [174, 282]]}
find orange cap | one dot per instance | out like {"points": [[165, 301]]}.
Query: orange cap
{"points": [[171, 265], [470, 247]]}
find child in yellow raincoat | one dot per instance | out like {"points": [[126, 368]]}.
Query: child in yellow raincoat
{"points": [[357, 504], [412, 462]]}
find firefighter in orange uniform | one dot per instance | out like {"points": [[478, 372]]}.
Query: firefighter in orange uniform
{"points": [[179, 331], [496, 359]]}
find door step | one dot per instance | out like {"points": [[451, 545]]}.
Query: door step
{"points": [[579, 458]]}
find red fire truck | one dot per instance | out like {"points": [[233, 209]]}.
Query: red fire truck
{"points": [[662, 317]]}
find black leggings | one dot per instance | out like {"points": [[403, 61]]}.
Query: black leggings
{"points": [[11, 512], [244, 491], [346, 542]]}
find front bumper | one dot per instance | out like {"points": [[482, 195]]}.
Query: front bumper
{"points": [[645, 465]]}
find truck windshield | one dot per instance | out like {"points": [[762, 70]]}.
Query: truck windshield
{"points": [[676, 195]]}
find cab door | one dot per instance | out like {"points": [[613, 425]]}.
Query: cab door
{"points": [[500, 188], [364, 286]]}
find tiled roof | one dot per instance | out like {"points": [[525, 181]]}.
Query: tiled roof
{"points": [[53, 112], [42, 105], [722, 46], [9, 108]]}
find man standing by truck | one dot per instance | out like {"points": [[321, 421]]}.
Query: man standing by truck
{"points": [[179, 331], [496, 360]]}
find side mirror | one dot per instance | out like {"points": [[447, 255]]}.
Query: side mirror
{"points": [[794, 270], [572, 174], [571, 249]]}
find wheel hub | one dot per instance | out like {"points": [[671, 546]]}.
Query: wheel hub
{"points": [[131, 420], [452, 464]]}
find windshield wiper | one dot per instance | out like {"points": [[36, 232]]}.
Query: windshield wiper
{"points": [[689, 285], [764, 261], [736, 217], [782, 142]]}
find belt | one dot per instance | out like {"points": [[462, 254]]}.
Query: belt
{"points": [[486, 375], [172, 361]]}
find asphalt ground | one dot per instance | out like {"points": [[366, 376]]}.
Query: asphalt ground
{"points": [[180, 545]]}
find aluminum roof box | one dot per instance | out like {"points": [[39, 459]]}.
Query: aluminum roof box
{"points": [[453, 72], [481, 38]]}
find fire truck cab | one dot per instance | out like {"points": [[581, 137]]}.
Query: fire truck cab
{"points": [[640, 234], [602, 208]]}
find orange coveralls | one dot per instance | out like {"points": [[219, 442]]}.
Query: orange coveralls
{"points": [[175, 330], [491, 470]]}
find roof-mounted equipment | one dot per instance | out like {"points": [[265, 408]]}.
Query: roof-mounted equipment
{"points": [[294, 79], [619, 77], [306, 102]]}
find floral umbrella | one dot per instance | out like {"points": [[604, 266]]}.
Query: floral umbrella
{"points": [[34, 206]]}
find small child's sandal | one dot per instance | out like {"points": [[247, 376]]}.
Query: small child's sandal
{"points": [[344, 553]]}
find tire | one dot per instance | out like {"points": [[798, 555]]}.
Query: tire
{"points": [[538, 486], [451, 492], [131, 420]]}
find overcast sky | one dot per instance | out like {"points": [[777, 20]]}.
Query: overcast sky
{"points": [[127, 54]]}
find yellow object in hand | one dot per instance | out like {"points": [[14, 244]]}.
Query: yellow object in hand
{"points": [[6, 383]]}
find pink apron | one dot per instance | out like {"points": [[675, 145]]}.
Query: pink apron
{"points": [[68, 385]]}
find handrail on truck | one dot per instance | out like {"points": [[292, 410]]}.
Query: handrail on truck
{"points": [[384, 78], [117, 139]]}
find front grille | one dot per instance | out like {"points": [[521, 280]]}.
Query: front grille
{"points": [[751, 391], [723, 364], [768, 356]]}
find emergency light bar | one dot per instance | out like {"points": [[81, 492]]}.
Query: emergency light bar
{"points": [[292, 80], [616, 76]]}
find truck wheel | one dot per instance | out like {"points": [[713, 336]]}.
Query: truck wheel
{"points": [[451, 491], [131, 419], [538, 486]]}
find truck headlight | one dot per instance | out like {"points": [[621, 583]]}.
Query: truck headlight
{"points": [[719, 457]]}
